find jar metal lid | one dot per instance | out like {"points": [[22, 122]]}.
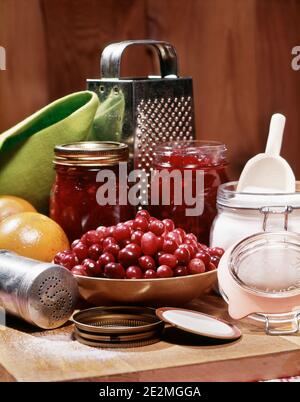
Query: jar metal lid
{"points": [[91, 153], [118, 326]]}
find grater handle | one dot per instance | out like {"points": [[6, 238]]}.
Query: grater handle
{"points": [[111, 57]]}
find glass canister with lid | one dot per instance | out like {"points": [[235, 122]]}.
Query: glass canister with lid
{"points": [[243, 214], [73, 200], [259, 277]]}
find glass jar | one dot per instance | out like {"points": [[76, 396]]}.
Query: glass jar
{"points": [[193, 156], [73, 203], [243, 214], [259, 278]]}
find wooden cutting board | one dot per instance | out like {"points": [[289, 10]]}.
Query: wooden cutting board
{"points": [[27, 354]]}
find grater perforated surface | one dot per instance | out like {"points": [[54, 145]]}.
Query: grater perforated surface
{"points": [[161, 120]]}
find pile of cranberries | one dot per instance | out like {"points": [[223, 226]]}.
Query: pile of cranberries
{"points": [[143, 248]]}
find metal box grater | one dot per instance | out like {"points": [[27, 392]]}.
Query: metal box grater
{"points": [[156, 109]]}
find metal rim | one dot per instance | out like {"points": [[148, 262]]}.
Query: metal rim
{"points": [[122, 345], [117, 339], [84, 318]]}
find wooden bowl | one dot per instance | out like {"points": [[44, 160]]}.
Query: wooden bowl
{"points": [[149, 292]]}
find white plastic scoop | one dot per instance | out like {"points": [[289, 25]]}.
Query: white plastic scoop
{"points": [[268, 172]]}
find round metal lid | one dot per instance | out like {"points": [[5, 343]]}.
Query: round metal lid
{"points": [[91, 153], [198, 323], [126, 326]]}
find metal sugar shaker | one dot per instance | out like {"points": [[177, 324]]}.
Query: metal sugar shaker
{"points": [[42, 294], [156, 108]]}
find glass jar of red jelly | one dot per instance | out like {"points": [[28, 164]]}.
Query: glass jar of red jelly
{"points": [[73, 201], [193, 156]]}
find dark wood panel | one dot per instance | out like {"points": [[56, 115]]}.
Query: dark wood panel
{"points": [[77, 32], [23, 86], [238, 52], [278, 85]]}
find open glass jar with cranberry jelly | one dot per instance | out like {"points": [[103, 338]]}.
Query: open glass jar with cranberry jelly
{"points": [[73, 201], [191, 156]]}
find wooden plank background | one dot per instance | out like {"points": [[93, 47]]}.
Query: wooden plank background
{"points": [[238, 52]]}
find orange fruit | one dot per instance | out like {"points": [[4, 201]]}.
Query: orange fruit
{"points": [[10, 205], [32, 235]]}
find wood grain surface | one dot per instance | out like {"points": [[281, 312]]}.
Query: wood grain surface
{"points": [[27, 354], [238, 52]]}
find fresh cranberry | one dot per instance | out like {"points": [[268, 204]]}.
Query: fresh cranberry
{"points": [[91, 237], [196, 266], [158, 254], [215, 260], [124, 243], [137, 236], [211, 267], [110, 231], [59, 256], [157, 227], [181, 232], [68, 260], [189, 248], [169, 246], [127, 257], [203, 247], [114, 270], [140, 223], [75, 242], [181, 270], [191, 236], [102, 230], [169, 224], [192, 243], [135, 248], [134, 272], [202, 255], [129, 223], [112, 248], [122, 232], [106, 258], [174, 236], [149, 243], [81, 251], [107, 241], [164, 271], [182, 255], [95, 251], [216, 252], [149, 274], [160, 242], [92, 267], [79, 270], [143, 213], [168, 259], [146, 262]]}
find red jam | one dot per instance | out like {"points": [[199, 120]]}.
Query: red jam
{"points": [[209, 157], [73, 202]]}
